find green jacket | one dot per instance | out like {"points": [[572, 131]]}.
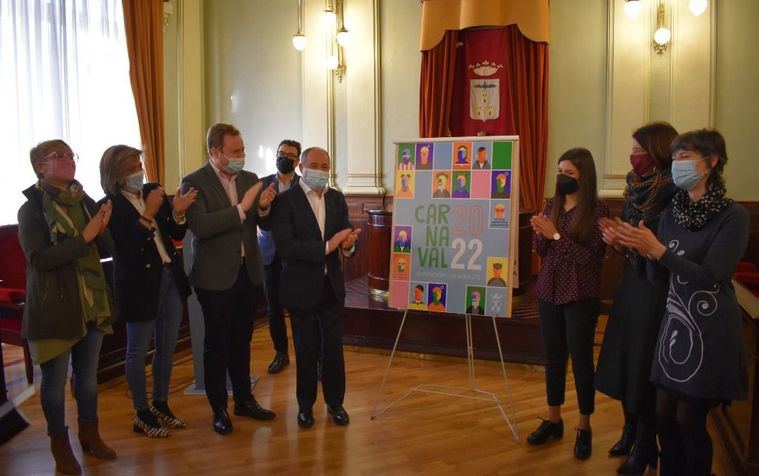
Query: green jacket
{"points": [[53, 307]]}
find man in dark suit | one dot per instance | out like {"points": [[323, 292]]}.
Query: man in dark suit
{"points": [[226, 265], [288, 157], [310, 224]]}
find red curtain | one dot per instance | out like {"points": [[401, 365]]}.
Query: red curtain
{"points": [[527, 92], [529, 78], [143, 25], [436, 88]]}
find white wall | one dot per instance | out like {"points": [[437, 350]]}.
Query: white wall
{"points": [[253, 74]]}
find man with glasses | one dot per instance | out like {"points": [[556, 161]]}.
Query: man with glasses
{"points": [[288, 158], [226, 265]]}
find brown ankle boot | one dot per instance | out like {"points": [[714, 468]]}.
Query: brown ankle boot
{"points": [[65, 461], [92, 444]]}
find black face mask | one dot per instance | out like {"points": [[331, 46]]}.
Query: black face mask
{"points": [[285, 165], [566, 185]]}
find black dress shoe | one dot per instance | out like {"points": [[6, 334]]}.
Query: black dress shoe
{"points": [[545, 432], [221, 422], [252, 409], [339, 415], [583, 445], [281, 360], [625, 443], [305, 419]]}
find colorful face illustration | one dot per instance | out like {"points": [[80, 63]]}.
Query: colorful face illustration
{"points": [[482, 155], [437, 294], [497, 270], [501, 182], [461, 155], [461, 180], [476, 299], [401, 265], [418, 293], [404, 182], [441, 181], [424, 155], [500, 212], [406, 156]]}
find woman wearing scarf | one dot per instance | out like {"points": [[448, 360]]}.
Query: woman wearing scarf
{"points": [[150, 284], [624, 365], [68, 305], [699, 359]]}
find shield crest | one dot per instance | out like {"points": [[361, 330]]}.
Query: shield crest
{"points": [[484, 99]]}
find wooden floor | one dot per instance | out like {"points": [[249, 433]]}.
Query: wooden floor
{"points": [[424, 434]]}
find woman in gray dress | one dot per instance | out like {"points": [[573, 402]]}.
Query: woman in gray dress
{"points": [[699, 360]]}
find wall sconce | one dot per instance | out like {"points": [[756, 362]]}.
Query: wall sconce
{"points": [[334, 14], [299, 39], [632, 8], [697, 7], [662, 35]]}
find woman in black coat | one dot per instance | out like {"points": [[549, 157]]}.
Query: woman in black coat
{"points": [[150, 284], [624, 364]]}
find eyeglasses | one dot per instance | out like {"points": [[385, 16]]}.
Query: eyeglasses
{"points": [[56, 156]]}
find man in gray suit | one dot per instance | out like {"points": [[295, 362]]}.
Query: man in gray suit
{"points": [[226, 267]]}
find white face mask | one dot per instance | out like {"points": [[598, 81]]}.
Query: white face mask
{"points": [[135, 181], [235, 165], [315, 179]]}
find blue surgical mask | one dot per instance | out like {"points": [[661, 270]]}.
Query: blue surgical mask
{"points": [[235, 165], [684, 173], [135, 181], [315, 179]]}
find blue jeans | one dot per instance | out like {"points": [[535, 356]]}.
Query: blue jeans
{"points": [[139, 334], [84, 362]]}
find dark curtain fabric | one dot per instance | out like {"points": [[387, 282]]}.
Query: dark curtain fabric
{"points": [[436, 88], [523, 106], [143, 24]]}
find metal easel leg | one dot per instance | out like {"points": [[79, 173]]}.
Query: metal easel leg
{"points": [[511, 418], [387, 370]]}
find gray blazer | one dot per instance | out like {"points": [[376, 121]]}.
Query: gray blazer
{"points": [[217, 231]]}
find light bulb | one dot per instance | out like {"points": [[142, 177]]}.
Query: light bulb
{"points": [[697, 7], [299, 41], [632, 8], [332, 62], [662, 36], [330, 18], [343, 37]]}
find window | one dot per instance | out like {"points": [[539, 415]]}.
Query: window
{"points": [[64, 73]]}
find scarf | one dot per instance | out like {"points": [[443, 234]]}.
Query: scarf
{"points": [[67, 215], [647, 197], [694, 215]]}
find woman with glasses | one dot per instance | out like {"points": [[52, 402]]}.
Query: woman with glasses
{"points": [[624, 365], [150, 284], [68, 305], [699, 360]]}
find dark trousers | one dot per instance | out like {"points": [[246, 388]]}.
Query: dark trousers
{"points": [[228, 316], [568, 329], [277, 328], [307, 324]]}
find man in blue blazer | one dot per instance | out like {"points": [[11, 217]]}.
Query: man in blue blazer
{"points": [[288, 157], [310, 224]]}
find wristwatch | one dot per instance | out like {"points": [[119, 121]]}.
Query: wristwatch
{"points": [[556, 236]]}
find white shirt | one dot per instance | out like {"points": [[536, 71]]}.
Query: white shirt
{"points": [[320, 212], [139, 204]]}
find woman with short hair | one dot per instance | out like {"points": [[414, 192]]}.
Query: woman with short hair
{"points": [[68, 304], [699, 360], [150, 284]]}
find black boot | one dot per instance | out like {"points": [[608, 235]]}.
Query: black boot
{"points": [[625, 443], [644, 453]]}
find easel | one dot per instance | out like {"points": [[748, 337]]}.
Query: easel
{"points": [[471, 392]]}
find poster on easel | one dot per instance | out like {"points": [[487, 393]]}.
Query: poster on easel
{"points": [[453, 247]]}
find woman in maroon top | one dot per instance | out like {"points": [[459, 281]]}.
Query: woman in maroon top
{"points": [[569, 240]]}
